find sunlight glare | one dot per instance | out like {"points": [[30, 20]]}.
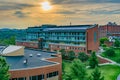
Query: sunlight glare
{"points": [[46, 6]]}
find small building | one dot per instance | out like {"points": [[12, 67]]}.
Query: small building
{"points": [[31, 64]]}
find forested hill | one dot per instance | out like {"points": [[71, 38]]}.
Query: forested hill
{"points": [[6, 33], [8, 36]]}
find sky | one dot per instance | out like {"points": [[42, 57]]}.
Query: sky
{"points": [[26, 13]]}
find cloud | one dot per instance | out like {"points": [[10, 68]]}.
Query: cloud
{"points": [[83, 1], [21, 14], [13, 5], [106, 12]]}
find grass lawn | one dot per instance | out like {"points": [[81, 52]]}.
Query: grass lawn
{"points": [[116, 58], [110, 72]]}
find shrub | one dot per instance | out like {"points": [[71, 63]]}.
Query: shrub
{"points": [[104, 45], [82, 56], [71, 55], [109, 52]]}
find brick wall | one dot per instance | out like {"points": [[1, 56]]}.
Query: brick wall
{"points": [[40, 70], [28, 44], [92, 39]]}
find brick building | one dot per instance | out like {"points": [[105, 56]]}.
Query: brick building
{"points": [[111, 30], [79, 38], [28, 64]]}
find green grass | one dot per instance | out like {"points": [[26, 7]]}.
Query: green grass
{"points": [[115, 58], [110, 72]]}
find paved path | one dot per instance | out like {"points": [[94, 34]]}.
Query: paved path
{"points": [[112, 62], [118, 78]]}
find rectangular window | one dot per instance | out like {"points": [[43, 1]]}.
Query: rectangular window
{"points": [[22, 78], [37, 77], [52, 74]]}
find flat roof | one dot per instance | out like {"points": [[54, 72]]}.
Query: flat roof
{"points": [[17, 62], [70, 28]]}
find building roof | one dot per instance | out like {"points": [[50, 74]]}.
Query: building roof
{"points": [[60, 28], [69, 28], [11, 48], [37, 60]]}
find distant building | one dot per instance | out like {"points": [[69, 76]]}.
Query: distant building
{"points": [[111, 30], [28, 64], [79, 38]]}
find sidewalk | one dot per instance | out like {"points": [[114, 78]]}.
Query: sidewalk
{"points": [[112, 62]]}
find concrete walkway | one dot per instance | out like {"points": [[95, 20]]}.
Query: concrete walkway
{"points": [[118, 78], [112, 62]]}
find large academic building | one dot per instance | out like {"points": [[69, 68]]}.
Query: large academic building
{"points": [[79, 38], [29, 64]]}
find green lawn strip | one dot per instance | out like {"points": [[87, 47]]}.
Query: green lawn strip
{"points": [[110, 72]]}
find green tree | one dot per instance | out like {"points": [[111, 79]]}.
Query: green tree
{"points": [[109, 52], [93, 62], [96, 75], [117, 43], [10, 41], [102, 40], [82, 56], [78, 70], [63, 53], [67, 77], [4, 75], [71, 55], [63, 67]]}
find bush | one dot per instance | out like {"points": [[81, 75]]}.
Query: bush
{"points": [[102, 40], [117, 43], [71, 55], [82, 56], [63, 53], [104, 45], [109, 52]]}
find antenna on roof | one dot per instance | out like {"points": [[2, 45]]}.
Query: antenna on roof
{"points": [[70, 23]]}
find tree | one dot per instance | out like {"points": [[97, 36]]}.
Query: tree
{"points": [[63, 67], [82, 56], [96, 75], [63, 53], [71, 55], [117, 43], [9, 41], [67, 76], [109, 52], [4, 75], [93, 62], [78, 70], [102, 40]]}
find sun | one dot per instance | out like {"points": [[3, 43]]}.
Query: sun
{"points": [[46, 6]]}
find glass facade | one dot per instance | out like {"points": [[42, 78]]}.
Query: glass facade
{"points": [[72, 35]]}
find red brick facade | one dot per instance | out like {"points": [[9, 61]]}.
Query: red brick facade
{"points": [[76, 49], [39, 70], [28, 44], [109, 30], [92, 39]]}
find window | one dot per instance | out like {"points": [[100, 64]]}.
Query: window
{"points": [[37, 77], [22, 78], [52, 74]]}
